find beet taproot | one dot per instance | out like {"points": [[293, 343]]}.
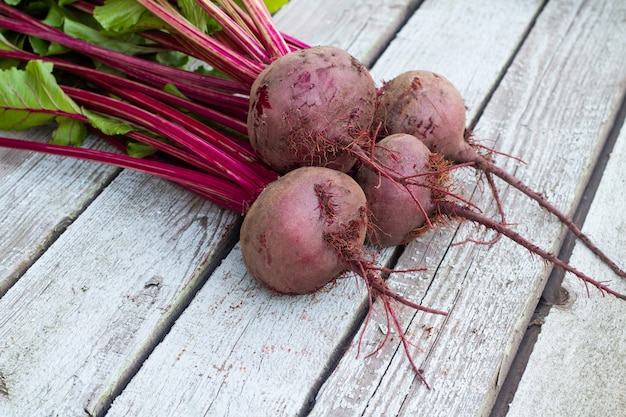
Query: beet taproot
{"points": [[397, 210], [304, 229], [307, 108]]}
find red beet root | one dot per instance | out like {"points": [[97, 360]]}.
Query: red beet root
{"points": [[395, 213], [309, 107], [306, 229]]}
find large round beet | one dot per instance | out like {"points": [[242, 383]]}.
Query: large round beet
{"points": [[304, 230], [308, 107]]}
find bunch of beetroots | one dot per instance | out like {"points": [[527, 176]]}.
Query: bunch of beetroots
{"points": [[361, 164], [319, 107]]}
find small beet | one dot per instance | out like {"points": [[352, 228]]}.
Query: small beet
{"points": [[413, 167], [426, 105], [308, 228], [395, 213]]}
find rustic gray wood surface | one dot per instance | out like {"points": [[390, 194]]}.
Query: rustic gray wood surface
{"points": [[40, 195], [123, 295], [581, 352]]}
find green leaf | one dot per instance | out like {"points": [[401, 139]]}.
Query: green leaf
{"points": [[83, 32], [9, 63], [55, 17], [69, 132], [274, 5], [107, 124], [197, 16], [7, 45], [125, 16], [172, 89], [139, 150], [44, 48], [34, 7], [32, 97], [172, 58]]}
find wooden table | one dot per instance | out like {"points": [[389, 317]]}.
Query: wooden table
{"points": [[123, 295]]}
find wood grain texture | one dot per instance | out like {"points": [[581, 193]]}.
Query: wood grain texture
{"points": [[362, 27], [82, 320], [470, 44], [554, 111], [85, 315], [40, 195], [576, 368], [240, 347]]}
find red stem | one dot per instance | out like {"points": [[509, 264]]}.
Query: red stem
{"points": [[206, 48], [224, 193], [143, 69], [490, 167], [105, 79], [235, 32], [221, 163], [456, 211], [271, 38]]}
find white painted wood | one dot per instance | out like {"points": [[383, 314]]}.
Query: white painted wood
{"points": [[577, 365], [80, 320], [362, 27], [39, 196], [240, 356], [239, 349], [491, 292], [470, 44]]}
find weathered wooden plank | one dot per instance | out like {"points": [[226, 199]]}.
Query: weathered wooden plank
{"points": [[82, 318], [471, 45], [39, 196], [251, 350], [554, 110], [239, 347], [362, 27], [239, 353], [576, 368]]}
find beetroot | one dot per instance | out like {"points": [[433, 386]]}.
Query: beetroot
{"points": [[427, 105], [396, 214], [309, 107], [304, 229]]}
